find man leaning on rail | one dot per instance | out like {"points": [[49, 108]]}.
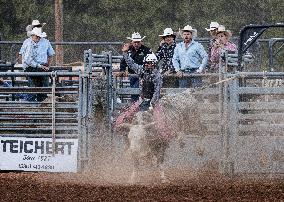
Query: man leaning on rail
{"points": [[189, 57], [36, 54]]}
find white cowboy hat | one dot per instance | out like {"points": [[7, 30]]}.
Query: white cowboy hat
{"points": [[36, 23], [38, 32], [136, 37], [213, 26], [168, 32], [222, 28], [190, 29]]}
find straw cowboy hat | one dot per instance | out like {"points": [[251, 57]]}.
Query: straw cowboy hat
{"points": [[36, 23], [190, 29], [168, 32], [213, 26], [38, 32], [223, 29], [136, 37]]}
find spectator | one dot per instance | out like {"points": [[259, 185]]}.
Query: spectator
{"points": [[221, 42], [35, 23], [165, 54], [36, 54], [189, 57], [137, 51], [213, 33], [165, 51]]}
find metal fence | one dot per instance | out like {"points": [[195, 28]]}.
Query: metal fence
{"points": [[63, 115], [244, 117], [266, 52]]}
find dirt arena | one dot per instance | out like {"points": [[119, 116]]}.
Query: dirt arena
{"points": [[26, 186]]}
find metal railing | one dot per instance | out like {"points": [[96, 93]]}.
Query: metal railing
{"points": [[239, 111], [64, 114]]}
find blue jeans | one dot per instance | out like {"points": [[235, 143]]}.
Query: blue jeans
{"points": [[194, 82], [38, 81], [134, 83], [190, 82]]}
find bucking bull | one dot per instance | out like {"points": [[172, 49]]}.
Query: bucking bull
{"points": [[147, 134], [144, 144]]}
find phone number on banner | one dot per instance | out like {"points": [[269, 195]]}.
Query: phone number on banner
{"points": [[36, 166]]}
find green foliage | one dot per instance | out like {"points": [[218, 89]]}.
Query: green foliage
{"points": [[114, 20]]}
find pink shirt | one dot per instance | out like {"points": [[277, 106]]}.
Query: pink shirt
{"points": [[215, 53]]}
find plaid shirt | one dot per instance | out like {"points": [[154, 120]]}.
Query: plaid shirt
{"points": [[215, 53], [151, 81]]}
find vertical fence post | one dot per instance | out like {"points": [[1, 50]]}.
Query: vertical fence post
{"points": [[80, 124], [227, 163], [53, 76], [221, 114], [233, 123], [109, 90], [88, 61]]}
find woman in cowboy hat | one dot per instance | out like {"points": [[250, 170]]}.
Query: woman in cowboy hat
{"points": [[222, 42], [165, 51], [165, 54]]}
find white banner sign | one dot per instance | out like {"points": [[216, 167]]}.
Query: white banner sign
{"points": [[36, 154]]}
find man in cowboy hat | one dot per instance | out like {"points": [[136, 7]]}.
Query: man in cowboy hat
{"points": [[213, 27], [189, 57], [36, 55], [35, 23], [137, 51]]}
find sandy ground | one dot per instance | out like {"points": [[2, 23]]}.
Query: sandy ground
{"points": [[183, 186]]}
